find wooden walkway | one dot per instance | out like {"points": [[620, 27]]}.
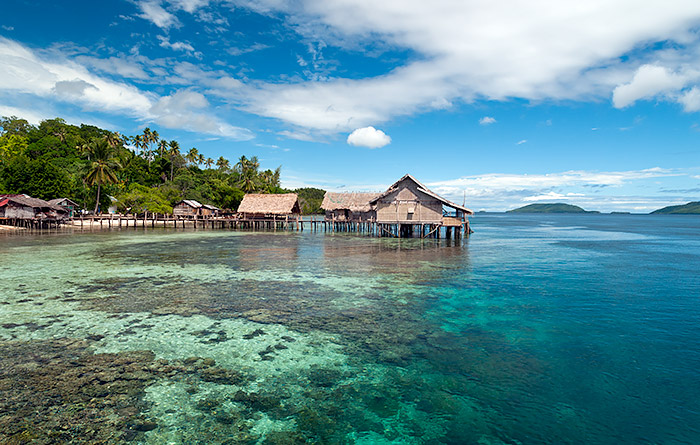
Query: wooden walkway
{"points": [[448, 230]]}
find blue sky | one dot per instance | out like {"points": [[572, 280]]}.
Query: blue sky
{"points": [[499, 104]]}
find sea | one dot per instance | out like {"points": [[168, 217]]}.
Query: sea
{"points": [[536, 329]]}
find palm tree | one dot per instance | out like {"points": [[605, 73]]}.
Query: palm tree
{"points": [[248, 173], [103, 168], [114, 140], [200, 159], [162, 146], [192, 155], [60, 133], [223, 163], [209, 162], [174, 153], [84, 149]]}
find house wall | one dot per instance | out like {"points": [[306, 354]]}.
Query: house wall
{"points": [[184, 210], [397, 206], [19, 212], [340, 215]]}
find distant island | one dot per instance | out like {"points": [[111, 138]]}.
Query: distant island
{"points": [[691, 208], [549, 208]]}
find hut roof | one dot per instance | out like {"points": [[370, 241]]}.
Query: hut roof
{"points": [[355, 202], [210, 207], [272, 204], [190, 202], [423, 189], [28, 201]]}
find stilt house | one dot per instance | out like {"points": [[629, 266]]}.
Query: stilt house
{"points": [[24, 207], [408, 204], [260, 206], [349, 206]]}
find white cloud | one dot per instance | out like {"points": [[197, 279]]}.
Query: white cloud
{"points": [[487, 120], [57, 78], [189, 5], [648, 81], [186, 109], [176, 46], [152, 11], [463, 56], [521, 142], [368, 137], [691, 99], [22, 71], [504, 191]]}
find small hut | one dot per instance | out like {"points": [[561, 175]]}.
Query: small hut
{"points": [[24, 207], [69, 205], [187, 208], [261, 206], [349, 206]]}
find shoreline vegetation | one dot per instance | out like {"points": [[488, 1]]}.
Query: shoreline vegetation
{"points": [[145, 173], [97, 169]]}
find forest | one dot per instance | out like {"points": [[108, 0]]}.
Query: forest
{"points": [[97, 168]]}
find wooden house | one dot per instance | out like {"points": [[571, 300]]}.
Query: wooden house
{"points": [[69, 205], [408, 204], [187, 208], [261, 206], [24, 207], [349, 206]]}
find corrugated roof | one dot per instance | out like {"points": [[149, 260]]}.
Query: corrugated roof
{"points": [[59, 200], [425, 190], [270, 204], [355, 202], [190, 202]]}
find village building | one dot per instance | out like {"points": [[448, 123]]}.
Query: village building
{"points": [[23, 210], [209, 210], [409, 206], [188, 208], [349, 206], [270, 205], [67, 204]]}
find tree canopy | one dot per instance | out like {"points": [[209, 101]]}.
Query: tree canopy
{"points": [[144, 172]]}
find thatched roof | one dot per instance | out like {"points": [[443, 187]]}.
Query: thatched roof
{"points": [[355, 202], [270, 204], [423, 189], [28, 201]]}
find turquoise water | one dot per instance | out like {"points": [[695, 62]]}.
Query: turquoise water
{"points": [[537, 329]]}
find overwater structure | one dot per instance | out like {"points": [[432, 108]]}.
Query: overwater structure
{"points": [[406, 209]]}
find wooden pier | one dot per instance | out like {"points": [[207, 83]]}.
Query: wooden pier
{"points": [[291, 223]]}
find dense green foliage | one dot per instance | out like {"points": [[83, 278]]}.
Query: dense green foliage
{"points": [[549, 208], [691, 208], [143, 172], [310, 200]]}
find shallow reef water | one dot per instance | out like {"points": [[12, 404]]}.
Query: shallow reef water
{"points": [[547, 329]]}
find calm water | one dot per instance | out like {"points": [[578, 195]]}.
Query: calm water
{"points": [[539, 329]]}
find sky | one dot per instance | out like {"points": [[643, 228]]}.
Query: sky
{"points": [[491, 104]]}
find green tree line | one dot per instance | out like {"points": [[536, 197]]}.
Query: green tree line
{"points": [[143, 172]]}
